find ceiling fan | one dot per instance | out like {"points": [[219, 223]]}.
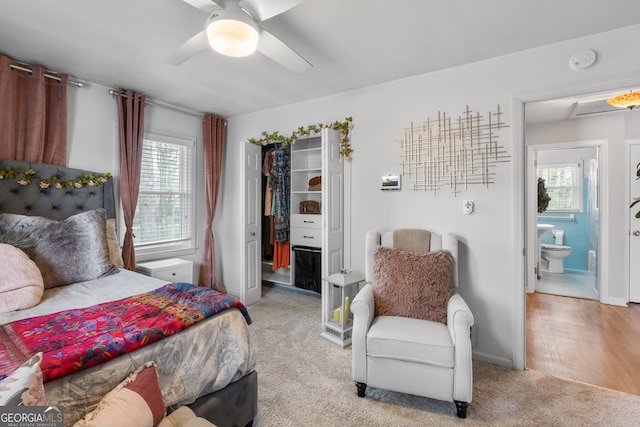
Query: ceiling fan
{"points": [[233, 29]]}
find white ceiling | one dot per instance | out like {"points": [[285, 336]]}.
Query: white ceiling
{"points": [[351, 43]]}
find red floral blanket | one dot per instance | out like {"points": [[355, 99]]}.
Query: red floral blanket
{"points": [[72, 340]]}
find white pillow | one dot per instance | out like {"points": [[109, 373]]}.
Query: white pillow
{"points": [[24, 387]]}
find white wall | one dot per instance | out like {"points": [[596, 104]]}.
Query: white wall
{"points": [[491, 272], [491, 253], [93, 142]]}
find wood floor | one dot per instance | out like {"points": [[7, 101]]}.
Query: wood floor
{"points": [[584, 340]]}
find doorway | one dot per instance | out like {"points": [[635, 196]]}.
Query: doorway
{"points": [[634, 220], [566, 218], [611, 127]]}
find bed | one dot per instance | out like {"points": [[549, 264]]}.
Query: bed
{"points": [[208, 366]]}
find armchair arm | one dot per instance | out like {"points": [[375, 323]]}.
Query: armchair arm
{"points": [[459, 322], [363, 309]]}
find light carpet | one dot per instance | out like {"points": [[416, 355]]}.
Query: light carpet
{"points": [[304, 379]]}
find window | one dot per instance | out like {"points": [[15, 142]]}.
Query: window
{"points": [[164, 215], [564, 186]]}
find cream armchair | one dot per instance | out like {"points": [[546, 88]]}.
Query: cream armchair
{"points": [[407, 355]]}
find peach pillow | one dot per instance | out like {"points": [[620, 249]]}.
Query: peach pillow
{"points": [[412, 284], [136, 402], [21, 284]]}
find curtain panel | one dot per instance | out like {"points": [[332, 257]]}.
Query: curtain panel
{"points": [[213, 131], [33, 114], [131, 134]]}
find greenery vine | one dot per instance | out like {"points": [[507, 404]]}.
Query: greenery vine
{"points": [[302, 131], [29, 176]]}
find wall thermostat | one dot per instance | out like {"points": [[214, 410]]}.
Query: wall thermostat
{"points": [[390, 182]]}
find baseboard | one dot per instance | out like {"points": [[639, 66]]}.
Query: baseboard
{"points": [[494, 360], [617, 301]]}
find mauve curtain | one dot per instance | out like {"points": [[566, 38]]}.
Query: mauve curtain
{"points": [[131, 124], [213, 130], [33, 114]]}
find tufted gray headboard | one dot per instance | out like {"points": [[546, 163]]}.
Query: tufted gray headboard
{"points": [[53, 202]]}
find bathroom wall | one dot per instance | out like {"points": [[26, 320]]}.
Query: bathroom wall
{"points": [[576, 233]]}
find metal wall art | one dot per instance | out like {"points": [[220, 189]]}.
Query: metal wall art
{"points": [[452, 152]]}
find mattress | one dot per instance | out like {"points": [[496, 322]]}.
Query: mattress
{"points": [[194, 362]]}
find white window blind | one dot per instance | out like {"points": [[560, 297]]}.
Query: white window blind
{"points": [[564, 186], [164, 215]]}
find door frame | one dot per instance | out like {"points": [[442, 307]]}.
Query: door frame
{"points": [[631, 171], [518, 172], [531, 210]]}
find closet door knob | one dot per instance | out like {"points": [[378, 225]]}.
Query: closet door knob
{"points": [[636, 233], [253, 233]]}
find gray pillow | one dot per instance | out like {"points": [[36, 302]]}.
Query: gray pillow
{"points": [[69, 251]]}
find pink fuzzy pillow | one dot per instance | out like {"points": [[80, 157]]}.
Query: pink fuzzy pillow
{"points": [[412, 284], [21, 284]]}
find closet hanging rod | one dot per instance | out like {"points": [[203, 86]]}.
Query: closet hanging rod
{"points": [[49, 76], [148, 101]]}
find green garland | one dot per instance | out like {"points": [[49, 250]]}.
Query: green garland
{"points": [[343, 127], [28, 176]]}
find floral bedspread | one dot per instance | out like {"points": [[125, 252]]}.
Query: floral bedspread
{"points": [[72, 340]]}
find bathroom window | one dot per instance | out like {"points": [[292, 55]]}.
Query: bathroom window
{"points": [[564, 186]]}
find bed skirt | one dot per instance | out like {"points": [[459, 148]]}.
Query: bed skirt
{"points": [[234, 405]]}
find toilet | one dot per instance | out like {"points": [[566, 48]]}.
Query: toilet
{"points": [[553, 255]]}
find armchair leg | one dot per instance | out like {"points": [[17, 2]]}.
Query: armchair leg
{"points": [[361, 388], [461, 407]]}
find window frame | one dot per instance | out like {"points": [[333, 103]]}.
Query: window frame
{"points": [[578, 198], [162, 250]]}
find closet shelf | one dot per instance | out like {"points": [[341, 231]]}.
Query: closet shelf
{"points": [[307, 150], [307, 170]]}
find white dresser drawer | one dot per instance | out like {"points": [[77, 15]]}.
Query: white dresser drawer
{"points": [[306, 237], [306, 220], [171, 270]]}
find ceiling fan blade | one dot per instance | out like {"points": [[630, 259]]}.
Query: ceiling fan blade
{"points": [[191, 47], [204, 5], [269, 45], [262, 10]]}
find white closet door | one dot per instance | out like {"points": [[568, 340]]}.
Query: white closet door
{"points": [[333, 198], [251, 285]]}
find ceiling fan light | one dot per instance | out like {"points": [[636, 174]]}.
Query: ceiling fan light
{"points": [[626, 100], [234, 36]]}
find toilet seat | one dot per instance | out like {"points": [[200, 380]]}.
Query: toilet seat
{"points": [[552, 247]]}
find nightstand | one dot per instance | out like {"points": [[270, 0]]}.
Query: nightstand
{"points": [[171, 270]]}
